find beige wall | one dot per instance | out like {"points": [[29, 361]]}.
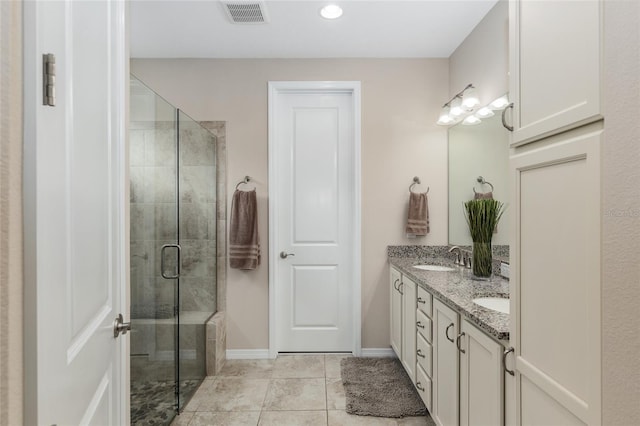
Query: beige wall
{"points": [[482, 58], [621, 216], [11, 382], [400, 104]]}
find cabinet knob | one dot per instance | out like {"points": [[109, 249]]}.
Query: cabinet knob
{"points": [[420, 354], [419, 386], [419, 325], [421, 300]]}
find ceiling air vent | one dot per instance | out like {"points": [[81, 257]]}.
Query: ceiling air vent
{"points": [[246, 12]]}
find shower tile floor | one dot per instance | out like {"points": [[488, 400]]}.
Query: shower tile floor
{"points": [[153, 402], [294, 390]]}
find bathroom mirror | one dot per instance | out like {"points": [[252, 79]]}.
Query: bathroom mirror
{"points": [[478, 150]]}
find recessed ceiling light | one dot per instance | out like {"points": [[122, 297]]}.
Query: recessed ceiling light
{"points": [[331, 11]]}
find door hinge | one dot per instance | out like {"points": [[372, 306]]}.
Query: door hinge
{"points": [[49, 79]]}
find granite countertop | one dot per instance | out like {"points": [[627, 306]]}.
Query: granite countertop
{"points": [[457, 290]]}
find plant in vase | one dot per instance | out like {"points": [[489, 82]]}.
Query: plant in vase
{"points": [[482, 217]]}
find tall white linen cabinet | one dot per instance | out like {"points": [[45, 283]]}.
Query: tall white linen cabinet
{"points": [[556, 67]]}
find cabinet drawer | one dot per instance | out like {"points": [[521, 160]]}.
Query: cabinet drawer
{"points": [[423, 384], [423, 324], [424, 354], [425, 302]]}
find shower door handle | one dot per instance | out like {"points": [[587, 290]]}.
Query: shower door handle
{"points": [[162, 272]]}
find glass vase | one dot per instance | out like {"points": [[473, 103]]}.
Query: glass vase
{"points": [[482, 259]]}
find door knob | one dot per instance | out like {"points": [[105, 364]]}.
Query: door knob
{"points": [[284, 254], [119, 326]]}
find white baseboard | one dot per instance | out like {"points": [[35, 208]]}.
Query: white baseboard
{"points": [[378, 352], [264, 353], [248, 354]]}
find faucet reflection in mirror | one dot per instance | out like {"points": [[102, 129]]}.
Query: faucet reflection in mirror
{"points": [[465, 107]]}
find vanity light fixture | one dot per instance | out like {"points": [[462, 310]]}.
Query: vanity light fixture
{"points": [[484, 112], [470, 98], [331, 11], [499, 103], [445, 119], [471, 120], [464, 106], [456, 108]]}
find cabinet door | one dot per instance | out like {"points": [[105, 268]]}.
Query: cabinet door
{"points": [[409, 327], [555, 66], [445, 365], [555, 281], [396, 312], [481, 390]]}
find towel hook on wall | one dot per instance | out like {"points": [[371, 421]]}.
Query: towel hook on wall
{"points": [[244, 181], [416, 181]]}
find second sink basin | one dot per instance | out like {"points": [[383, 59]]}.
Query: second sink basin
{"points": [[437, 268], [494, 303]]}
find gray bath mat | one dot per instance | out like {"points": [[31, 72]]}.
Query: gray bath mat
{"points": [[380, 387]]}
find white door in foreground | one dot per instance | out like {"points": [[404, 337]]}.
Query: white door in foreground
{"points": [[74, 214]]}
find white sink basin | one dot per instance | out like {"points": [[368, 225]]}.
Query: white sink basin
{"points": [[436, 268], [499, 304]]}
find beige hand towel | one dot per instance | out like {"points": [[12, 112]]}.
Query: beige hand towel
{"points": [[482, 195], [244, 241], [418, 221]]}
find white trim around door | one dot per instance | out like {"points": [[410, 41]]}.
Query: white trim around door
{"points": [[314, 87]]}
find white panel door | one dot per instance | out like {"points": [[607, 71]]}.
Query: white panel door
{"points": [[315, 221], [74, 213], [556, 280]]}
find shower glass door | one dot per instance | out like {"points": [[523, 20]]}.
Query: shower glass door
{"points": [[154, 257], [197, 237]]}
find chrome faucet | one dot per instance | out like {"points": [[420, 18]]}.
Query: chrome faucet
{"points": [[456, 250]]}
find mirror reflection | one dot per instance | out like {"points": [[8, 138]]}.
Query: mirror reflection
{"points": [[480, 150]]}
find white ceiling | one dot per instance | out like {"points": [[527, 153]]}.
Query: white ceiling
{"points": [[368, 29]]}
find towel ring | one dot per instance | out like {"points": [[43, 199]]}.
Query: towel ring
{"points": [[481, 181], [244, 181], [416, 181]]}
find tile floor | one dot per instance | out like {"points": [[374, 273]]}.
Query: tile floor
{"points": [[296, 390]]}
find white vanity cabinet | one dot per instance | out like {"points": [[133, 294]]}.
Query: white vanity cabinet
{"points": [[409, 327], [481, 378], [555, 56], [403, 320], [446, 402], [424, 347], [396, 312]]}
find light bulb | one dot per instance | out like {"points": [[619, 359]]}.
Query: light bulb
{"points": [[456, 108], [470, 98], [484, 112], [499, 103], [445, 119], [331, 11], [471, 120]]}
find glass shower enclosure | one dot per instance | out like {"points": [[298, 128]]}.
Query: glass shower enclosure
{"points": [[172, 254]]}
